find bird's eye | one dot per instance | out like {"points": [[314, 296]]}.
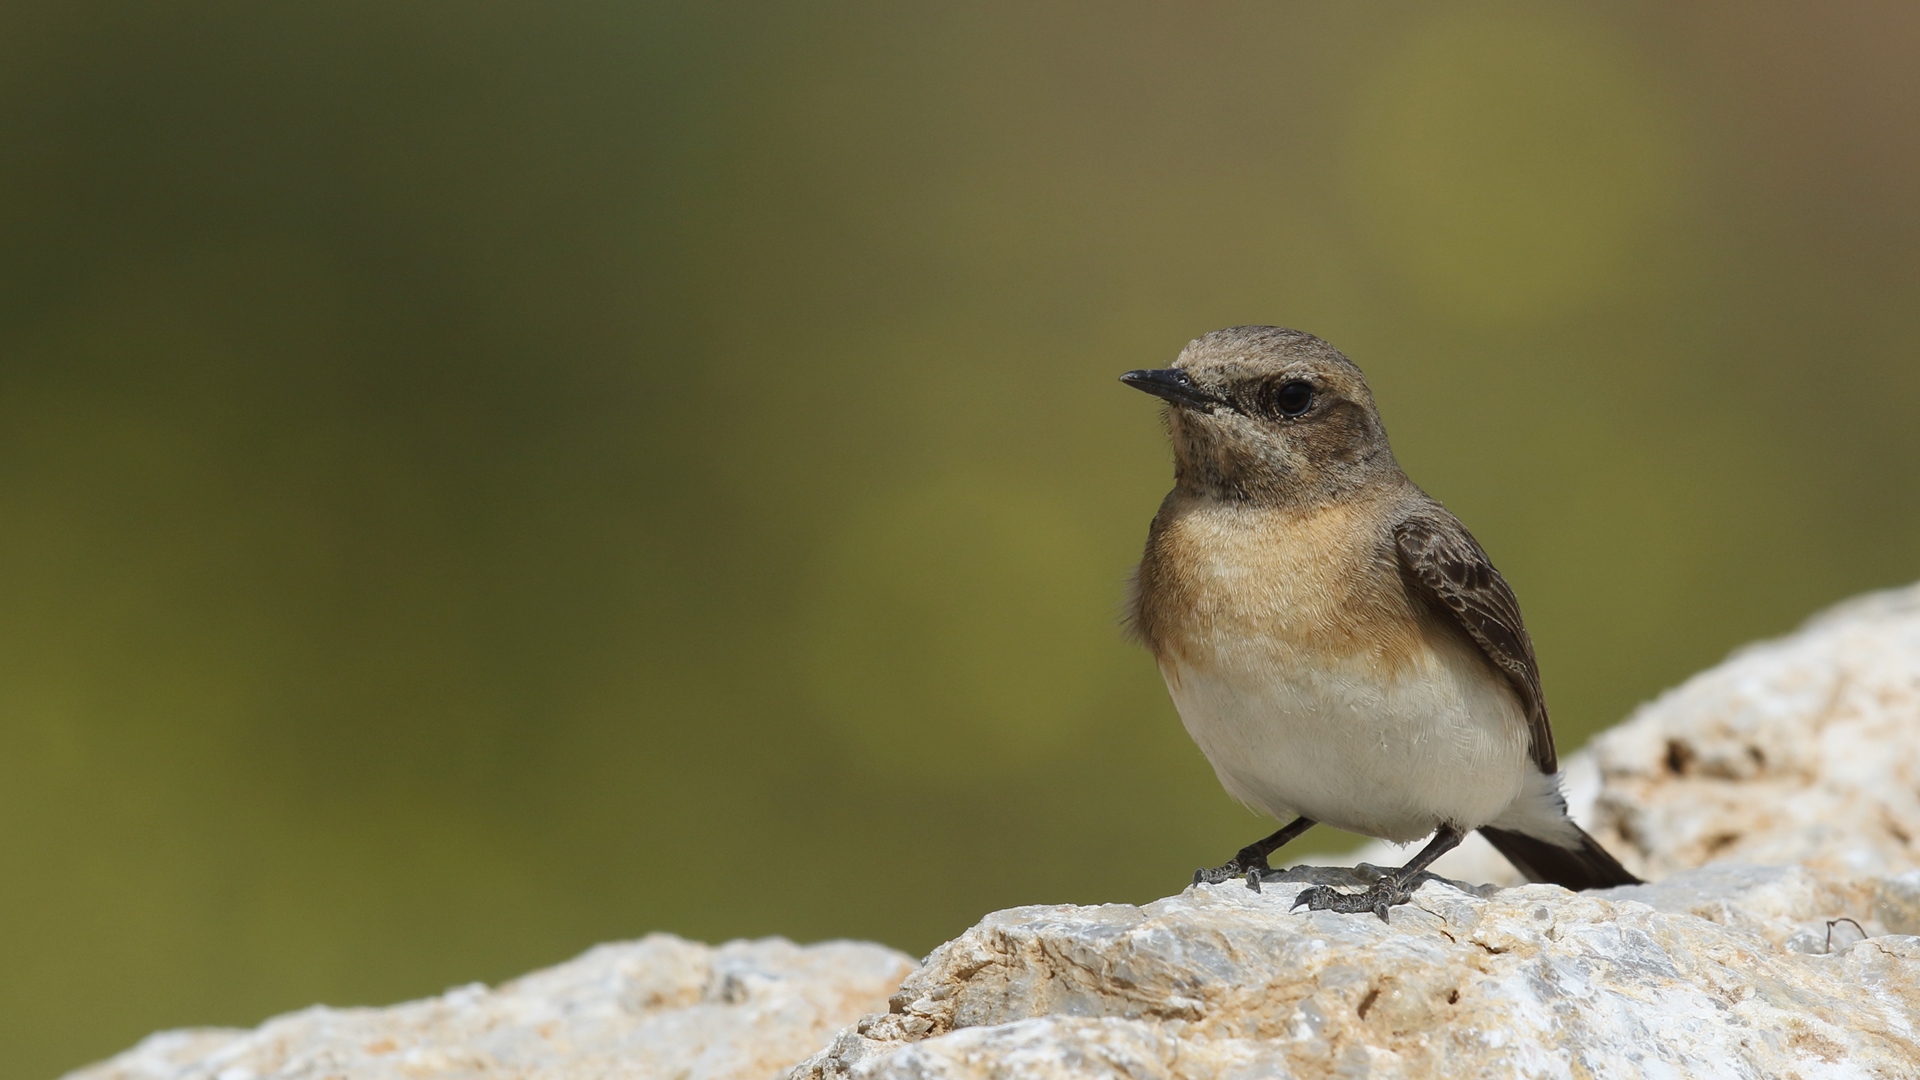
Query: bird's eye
{"points": [[1293, 398]]}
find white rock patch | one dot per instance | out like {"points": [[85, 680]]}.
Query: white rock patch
{"points": [[658, 1007], [1714, 973], [1775, 800]]}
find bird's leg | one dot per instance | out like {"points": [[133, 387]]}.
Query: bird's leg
{"points": [[1395, 888], [1251, 862]]}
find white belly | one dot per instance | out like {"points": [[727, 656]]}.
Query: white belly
{"points": [[1440, 740]]}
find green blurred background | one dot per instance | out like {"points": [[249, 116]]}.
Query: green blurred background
{"points": [[479, 479]]}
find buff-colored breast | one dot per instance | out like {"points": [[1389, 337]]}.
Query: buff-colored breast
{"points": [[1231, 584], [1313, 682]]}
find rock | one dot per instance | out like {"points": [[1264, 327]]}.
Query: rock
{"points": [[1718, 972], [657, 1007], [1801, 750], [1774, 801], [1804, 751]]}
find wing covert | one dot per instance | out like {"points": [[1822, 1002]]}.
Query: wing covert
{"points": [[1447, 568]]}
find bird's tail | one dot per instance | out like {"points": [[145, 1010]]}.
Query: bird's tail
{"points": [[1585, 866]]}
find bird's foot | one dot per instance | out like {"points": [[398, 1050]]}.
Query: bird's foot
{"points": [[1236, 867], [1383, 894]]}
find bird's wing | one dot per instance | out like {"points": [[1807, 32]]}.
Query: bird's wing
{"points": [[1443, 564]]}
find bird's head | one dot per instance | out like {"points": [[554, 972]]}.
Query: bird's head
{"points": [[1270, 415]]}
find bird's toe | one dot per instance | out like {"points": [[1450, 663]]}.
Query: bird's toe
{"points": [[1317, 898], [1379, 899], [1231, 870]]}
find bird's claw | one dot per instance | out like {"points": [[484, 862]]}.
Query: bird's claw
{"points": [[1204, 876], [1231, 870], [1383, 894]]}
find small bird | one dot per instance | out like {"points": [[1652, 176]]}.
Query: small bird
{"points": [[1333, 638]]}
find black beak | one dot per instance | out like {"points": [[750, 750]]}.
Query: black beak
{"points": [[1173, 385]]}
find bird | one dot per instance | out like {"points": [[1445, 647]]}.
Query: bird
{"points": [[1335, 641]]}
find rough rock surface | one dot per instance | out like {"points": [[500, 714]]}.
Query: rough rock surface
{"points": [[1800, 750], [1804, 750], [1722, 972], [1775, 800], [657, 1007]]}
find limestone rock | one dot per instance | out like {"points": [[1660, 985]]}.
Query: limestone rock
{"points": [[657, 1007], [1724, 972], [1801, 750], [1802, 754]]}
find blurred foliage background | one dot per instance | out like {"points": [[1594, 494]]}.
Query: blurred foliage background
{"points": [[482, 478]]}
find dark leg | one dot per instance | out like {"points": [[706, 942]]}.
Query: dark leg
{"points": [[1395, 888], [1252, 859]]}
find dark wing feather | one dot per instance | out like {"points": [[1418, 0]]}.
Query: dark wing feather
{"points": [[1445, 567]]}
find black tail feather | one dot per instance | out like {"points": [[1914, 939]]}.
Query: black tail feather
{"points": [[1585, 867]]}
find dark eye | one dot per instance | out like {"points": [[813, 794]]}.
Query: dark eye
{"points": [[1293, 398]]}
